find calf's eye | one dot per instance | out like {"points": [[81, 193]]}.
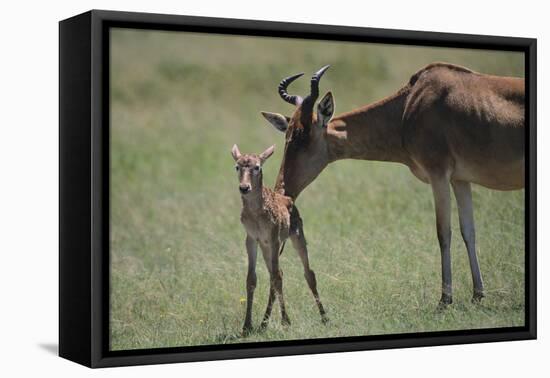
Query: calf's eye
{"points": [[237, 168], [257, 168]]}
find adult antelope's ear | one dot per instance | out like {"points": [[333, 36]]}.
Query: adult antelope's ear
{"points": [[279, 121], [267, 153], [325, 109], [235, 152]]}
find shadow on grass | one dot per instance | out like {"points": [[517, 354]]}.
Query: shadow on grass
{"points": [[225, 338]]}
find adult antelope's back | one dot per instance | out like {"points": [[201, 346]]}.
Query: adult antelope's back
{"points": [[451, 126]]}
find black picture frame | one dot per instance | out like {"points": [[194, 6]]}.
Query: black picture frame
{"points": [[84, 188]]}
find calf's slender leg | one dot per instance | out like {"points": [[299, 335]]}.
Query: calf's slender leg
{"points": [[269, 307], [251, 249], [442, 200], [299, 243], [266, 252], [463, 194], [277, 280]]}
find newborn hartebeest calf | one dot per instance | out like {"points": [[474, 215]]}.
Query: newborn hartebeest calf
{"points": [[269, 218]]}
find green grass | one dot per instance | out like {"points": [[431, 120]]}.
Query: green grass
{"points": [[178, 261]]}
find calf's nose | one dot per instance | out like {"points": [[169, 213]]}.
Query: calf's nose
{"points": [[244, 188]]}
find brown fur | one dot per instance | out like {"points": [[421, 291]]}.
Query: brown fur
{"points": [[275, 206], [448, 124], [263, 204], [266, 216], [445, 115]]}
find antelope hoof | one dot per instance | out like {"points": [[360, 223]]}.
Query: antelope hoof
{"points": [[247, 329], [445, 300], [325, 320], [478, 296], [285, 321], [263, 325]]}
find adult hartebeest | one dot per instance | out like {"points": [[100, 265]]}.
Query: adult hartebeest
{"points": [[451, 126]]}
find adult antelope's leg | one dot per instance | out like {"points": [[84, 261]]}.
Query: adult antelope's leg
{"points": [[267, 257], [442, 200], [463, 194], [251, 249], [277, 280], [299, 243]]}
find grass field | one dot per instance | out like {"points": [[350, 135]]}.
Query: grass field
{"points": [[178, 261]]}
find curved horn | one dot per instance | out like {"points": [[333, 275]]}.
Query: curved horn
{"points": [[309, 101], [294, 100], [315, 81]]}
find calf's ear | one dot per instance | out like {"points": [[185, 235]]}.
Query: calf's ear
{"points": [[279, 121], [267, 153], [235, 152]]}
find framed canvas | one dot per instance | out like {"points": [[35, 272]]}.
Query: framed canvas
{"points": [[405, 159]]}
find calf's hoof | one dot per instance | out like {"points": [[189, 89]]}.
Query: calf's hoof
{"points": [[445, 300], [478, 296]]}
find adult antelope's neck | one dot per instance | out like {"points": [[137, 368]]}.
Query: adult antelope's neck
{"points": [[372, 132]]}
